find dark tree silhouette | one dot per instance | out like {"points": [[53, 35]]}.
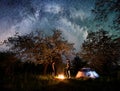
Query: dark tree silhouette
{"points": [[77, 64], [103, 11], [7, 62], [101, 52], [39, 48]]}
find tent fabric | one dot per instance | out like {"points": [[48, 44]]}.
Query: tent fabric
{"points": [[87, 72], [80, 74]]}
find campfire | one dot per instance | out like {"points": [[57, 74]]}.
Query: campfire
{"points": [[60, 76]]}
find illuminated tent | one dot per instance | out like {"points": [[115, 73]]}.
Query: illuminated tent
{"points": [[87, 72]]}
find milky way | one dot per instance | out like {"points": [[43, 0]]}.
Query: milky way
{"points": [[23, 16]]}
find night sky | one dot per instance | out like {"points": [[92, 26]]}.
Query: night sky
{"points": [[72, 17]]}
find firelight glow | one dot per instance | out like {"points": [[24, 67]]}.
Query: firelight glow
{"points": [[61, 76]]}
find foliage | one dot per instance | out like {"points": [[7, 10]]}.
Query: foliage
{"points": [[77, 64], [7, 60], [101, 52], [39, 47], [104, 9]]}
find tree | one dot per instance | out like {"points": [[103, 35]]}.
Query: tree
{"points": [[101, 52], [40, 48], [103, 11], [77, 64], [7, 62]]}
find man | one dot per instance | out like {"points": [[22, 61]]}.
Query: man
{"points": [[53, 68], [68, 66]]}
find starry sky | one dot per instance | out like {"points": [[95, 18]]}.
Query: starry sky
{"points": [[72, 17]]}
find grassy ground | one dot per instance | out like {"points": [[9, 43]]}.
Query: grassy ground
{"points": [[48, 83]]}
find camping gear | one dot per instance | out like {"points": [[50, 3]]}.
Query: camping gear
{"points": [[87, 72]]}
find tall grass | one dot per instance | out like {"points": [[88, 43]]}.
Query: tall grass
{"points": [[30, 82]]}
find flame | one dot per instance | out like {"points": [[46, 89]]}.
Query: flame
{"points": [[61, 76]]}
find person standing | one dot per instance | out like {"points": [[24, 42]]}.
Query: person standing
{"points": [[53, 68], [68, 66]]}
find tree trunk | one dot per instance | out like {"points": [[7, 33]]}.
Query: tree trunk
{"points": [[45, 68]]}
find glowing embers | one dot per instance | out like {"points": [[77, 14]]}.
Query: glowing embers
{"points": [[60, 76]]}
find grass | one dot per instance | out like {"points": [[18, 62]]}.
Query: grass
{"points": [[48, 83]]}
